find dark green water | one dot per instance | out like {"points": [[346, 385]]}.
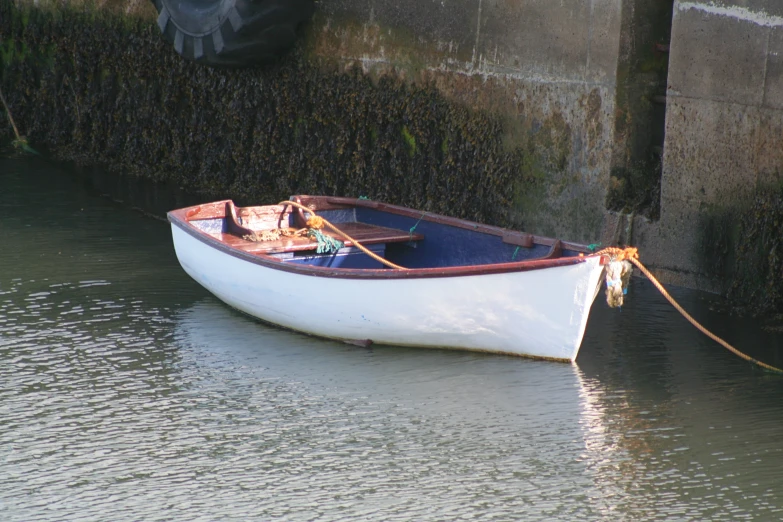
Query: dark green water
{"points": [[128, 393]]}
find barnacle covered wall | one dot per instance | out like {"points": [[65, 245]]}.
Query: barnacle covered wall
{"points": [[101, 90], [754, 249], [357, 109]]}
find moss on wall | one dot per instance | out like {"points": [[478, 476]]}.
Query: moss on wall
{"points": [[545, 149], [756, 252], [99, 89], [636, 189], [741, 247]]}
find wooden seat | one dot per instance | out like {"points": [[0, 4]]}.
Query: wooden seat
{"points": [[361, 232], [372, 234]]}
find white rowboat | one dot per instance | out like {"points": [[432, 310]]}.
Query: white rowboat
{"points": [[467, 286]]}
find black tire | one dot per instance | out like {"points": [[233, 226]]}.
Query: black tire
{"points": [[231, 33]]}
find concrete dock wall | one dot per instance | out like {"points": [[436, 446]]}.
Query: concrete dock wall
{"points": [[642, 121], [526, 90], [724, 138], [547, 68]]}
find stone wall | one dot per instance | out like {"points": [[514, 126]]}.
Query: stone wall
{"points": [[541, 76], [723, 146], [547, 116], [547, 67], [101, 89]]}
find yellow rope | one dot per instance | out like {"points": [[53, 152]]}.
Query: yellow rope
{"points": [[319, 222], [10, 118], [617, 254], [620, 254]]}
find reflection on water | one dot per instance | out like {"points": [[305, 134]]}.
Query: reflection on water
{"points": [[685, 430], [128, 393]]}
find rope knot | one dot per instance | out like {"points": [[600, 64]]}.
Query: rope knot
{"points": [[330, 244], [315, 222], [621, 261], [618, 254], [618, 275]]}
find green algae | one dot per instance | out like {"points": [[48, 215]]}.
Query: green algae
{"points": [[636, 189], [410, 140]]}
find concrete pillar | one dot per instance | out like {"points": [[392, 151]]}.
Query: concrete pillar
{"points": [[724, 127]]}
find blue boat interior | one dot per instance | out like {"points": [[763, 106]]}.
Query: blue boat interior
{"points": [[420, 243]]}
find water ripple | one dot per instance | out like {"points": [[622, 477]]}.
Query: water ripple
{"points": [[126, 393]]}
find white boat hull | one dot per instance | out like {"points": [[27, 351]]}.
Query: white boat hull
{"points": [[537, 313]]}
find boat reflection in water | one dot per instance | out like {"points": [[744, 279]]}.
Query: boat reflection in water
{"points": [[675, 427], [633, 431], [415, 430]]}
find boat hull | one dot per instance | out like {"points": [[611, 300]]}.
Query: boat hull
{"points": [[536, 313]]}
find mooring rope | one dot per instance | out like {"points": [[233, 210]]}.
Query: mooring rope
{"points": [[614, 253], [321, 221], [20, 142], [10, 118], [632, 255]]}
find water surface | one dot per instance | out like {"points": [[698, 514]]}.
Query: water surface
{"points": [[129, 393]]}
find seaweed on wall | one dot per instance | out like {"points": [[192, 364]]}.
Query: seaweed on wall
{"points": [[102, 89], [757, 282]]}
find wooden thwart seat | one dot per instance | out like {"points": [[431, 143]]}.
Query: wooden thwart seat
{"points": [[526, 240], [364, 233], [373, 234]]}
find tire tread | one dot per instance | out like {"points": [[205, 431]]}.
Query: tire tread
{"points": [[250, 32]]}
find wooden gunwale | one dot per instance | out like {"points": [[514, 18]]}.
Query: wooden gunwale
{"points": [[181, 217], [445, 220]]}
